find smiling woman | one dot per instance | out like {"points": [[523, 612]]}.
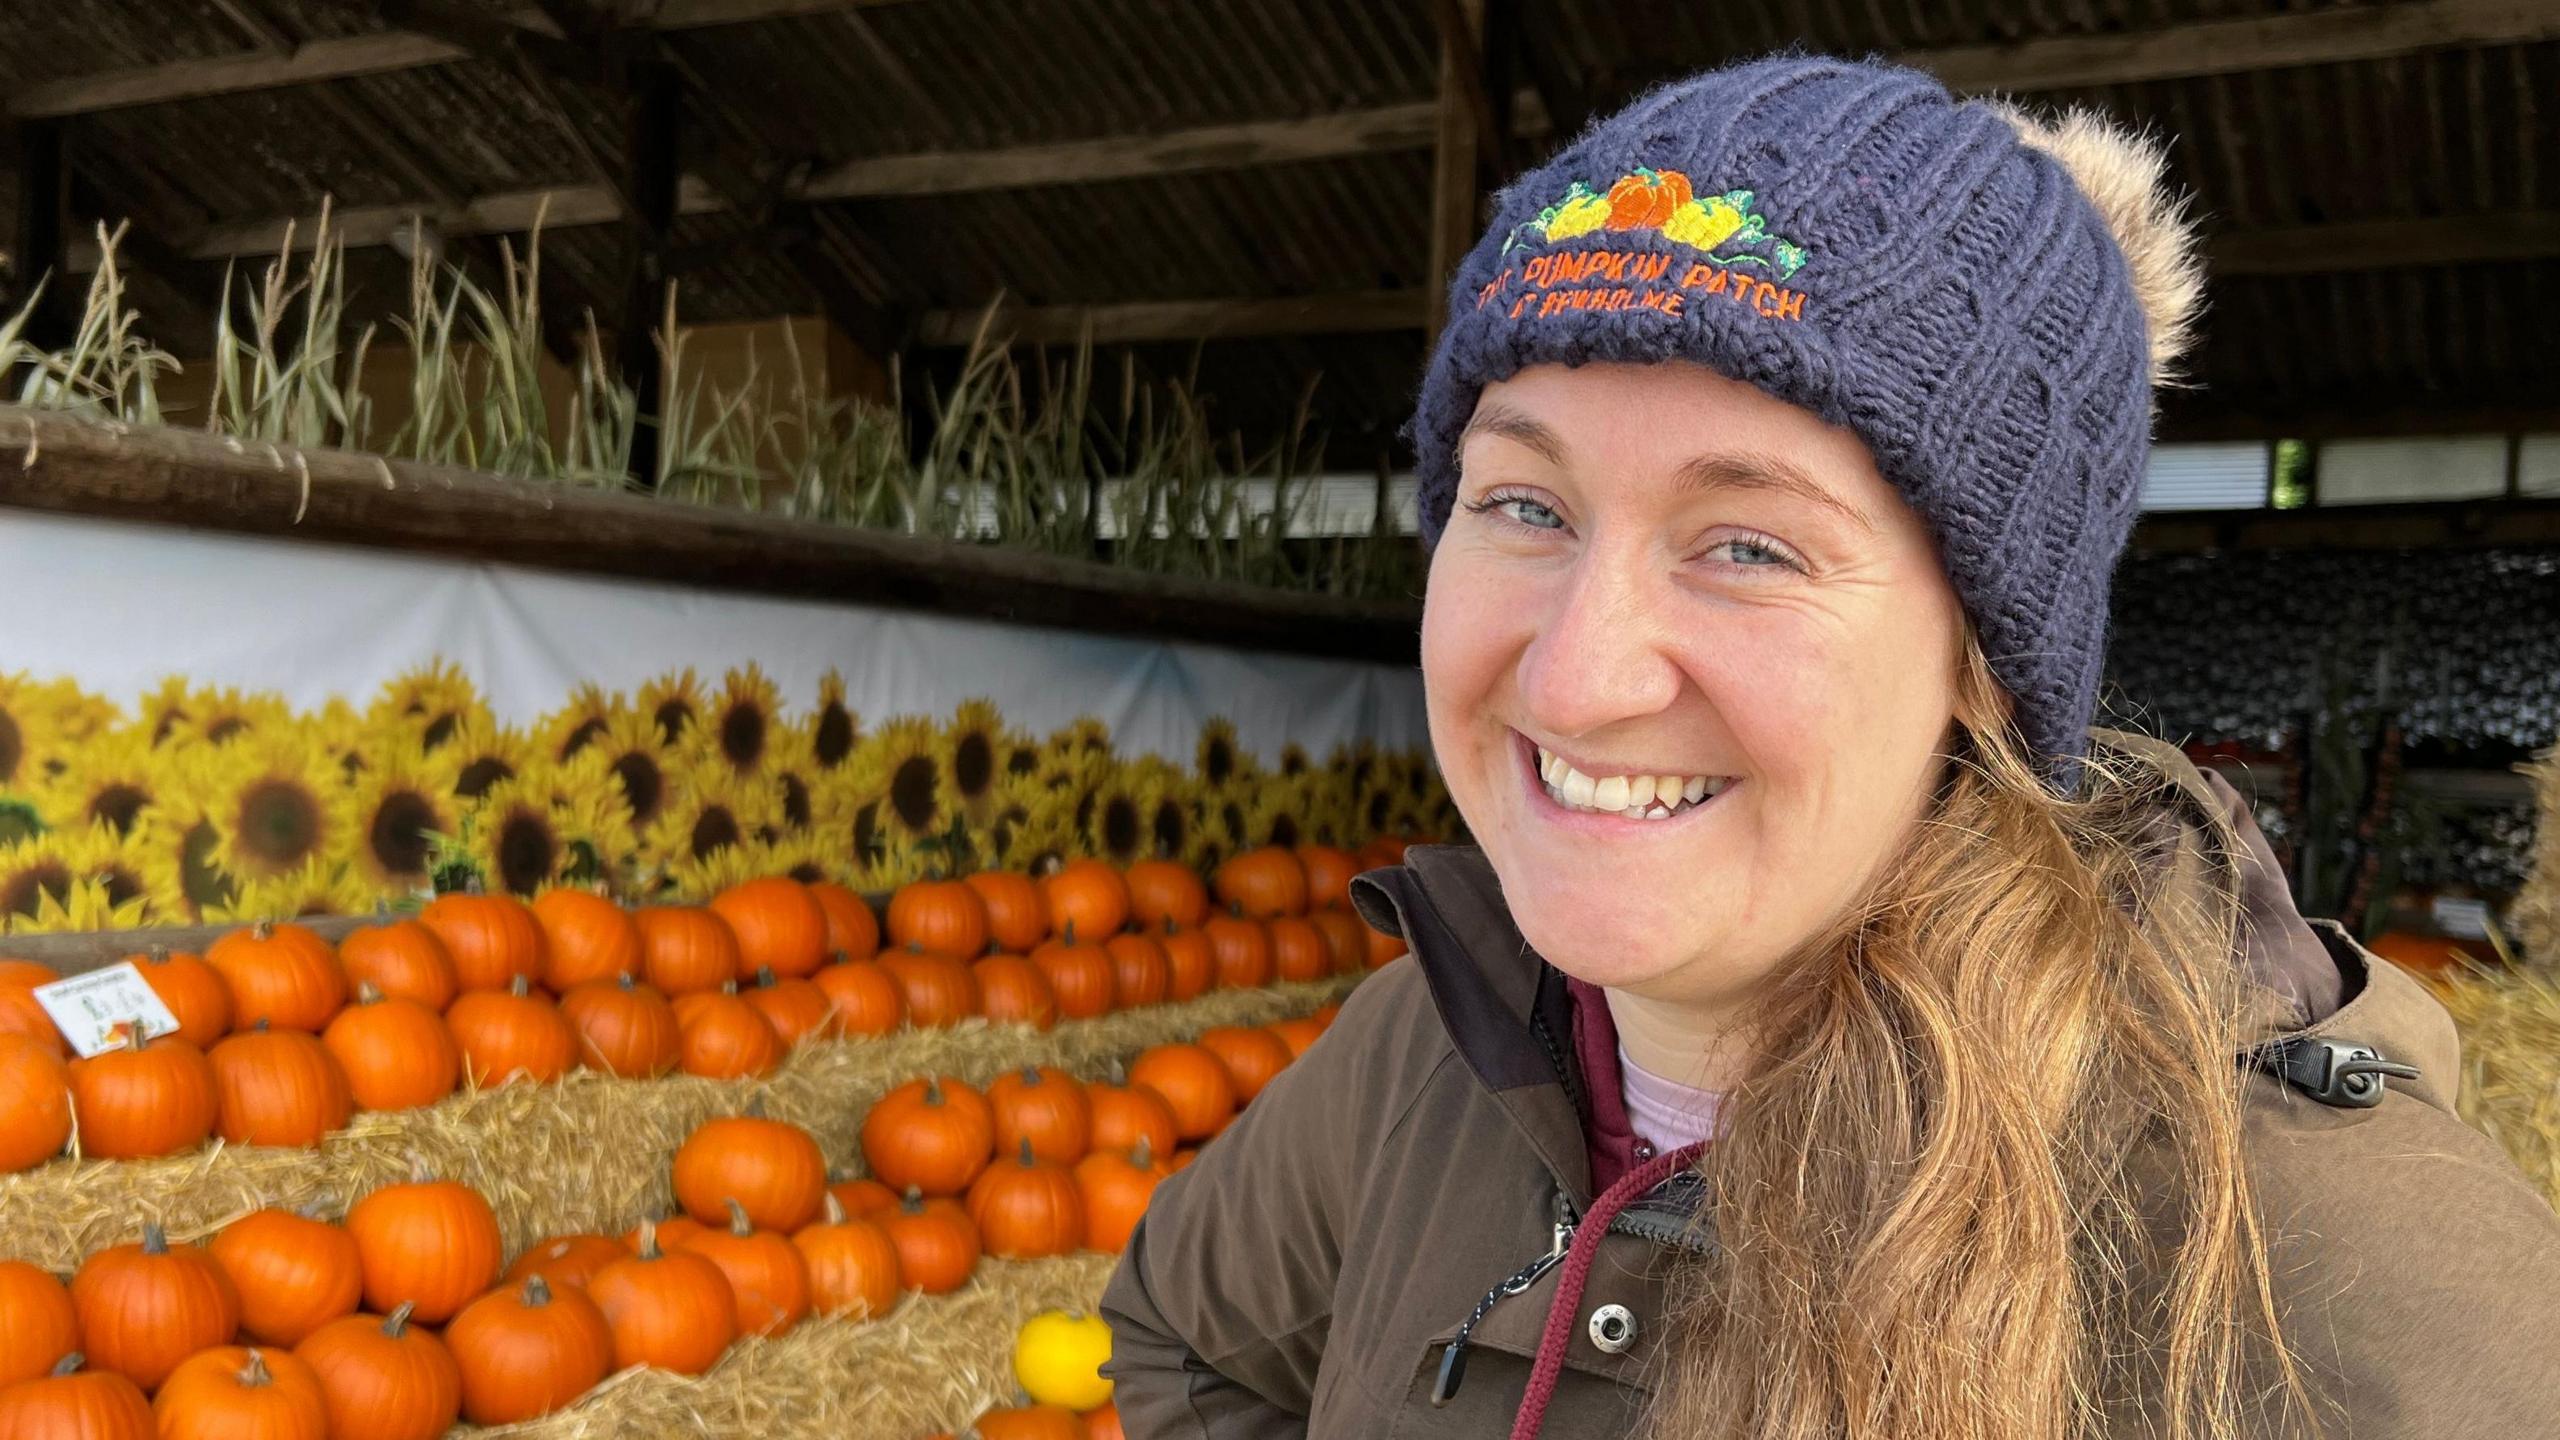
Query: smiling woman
{"points": [[1834, 1034]]}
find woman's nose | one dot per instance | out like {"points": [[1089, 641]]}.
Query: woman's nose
{"points": [[1599, 653]]}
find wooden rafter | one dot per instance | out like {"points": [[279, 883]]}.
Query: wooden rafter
{"points": [[2383, 244], [1354, 313]]}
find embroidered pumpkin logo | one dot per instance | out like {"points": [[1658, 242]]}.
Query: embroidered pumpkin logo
{"points": [[1724, 226]]}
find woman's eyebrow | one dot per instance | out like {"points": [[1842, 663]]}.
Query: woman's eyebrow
{"points": [[1502, 420], [1766, 472]]}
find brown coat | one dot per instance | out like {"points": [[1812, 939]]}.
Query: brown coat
{"points": [[1305, 1275]]}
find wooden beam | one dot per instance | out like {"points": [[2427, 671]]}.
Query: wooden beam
{"points": [[53, 464], [1453, 164], [2436, 525], [1359, 312], [2388, 244], [2333, 36], [40, 232], [653, 149], [1466, 46]]}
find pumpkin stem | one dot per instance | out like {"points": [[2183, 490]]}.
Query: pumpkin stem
{"points": [[933, 1089], [255, 1373], [519, 987], [157, 955], [1027, 1158], [537, 1291], [1143, 1154], [913, 1202], [368, 993], [396, 1324], [649, 1241], [70, 1363], [262, 930], [834, 1209], [764, 976], [739, 1224], [155, 1241], [624, 981], [1071, 931], [1031, 1075]]}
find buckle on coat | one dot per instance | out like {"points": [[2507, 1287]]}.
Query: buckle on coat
{"points": [[2333, 1072]]}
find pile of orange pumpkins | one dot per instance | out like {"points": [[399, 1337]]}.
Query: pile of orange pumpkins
{"points": [[282, 1037], [259, 1331]]}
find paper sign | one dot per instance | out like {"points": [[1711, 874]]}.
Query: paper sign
{"points": [[90, 1010], [2463, 919]]}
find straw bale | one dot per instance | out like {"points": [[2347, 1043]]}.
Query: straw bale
{"points": [[590, 1153], [930, 1365], [2511, 1066], [2536, 914]]}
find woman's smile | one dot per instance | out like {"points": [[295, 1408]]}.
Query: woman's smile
{"points": [[1616, 797]]}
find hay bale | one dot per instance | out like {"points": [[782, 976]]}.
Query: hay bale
{"points": [[930, 1365], [2536, 913], [589, 1153], [2510, 1025]]}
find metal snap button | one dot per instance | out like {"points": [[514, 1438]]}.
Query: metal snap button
{"points": [[1613, 1329]]}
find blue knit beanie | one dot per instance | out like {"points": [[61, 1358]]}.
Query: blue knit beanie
{"points": [[1934, 275]]}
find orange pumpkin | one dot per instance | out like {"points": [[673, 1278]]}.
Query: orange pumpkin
{"points": [[936, 1241], [194, 991], [36, 1122], [862, 1196], [277, 1087], [943, 916], [685, 949], [1182, 1158], [1116, 1185], [770, 1167], [1124, 1115], [862, 998], [1044, 1107], [233, 1391], [384, 1378], [2425, 956], [512, 1035], [1263, 883], [585, 938], [396, 1054], [282, 974], [23, 1016], [1329, 870], [669, 1309], [795, 1008], [1382, 947], [1030, 1422], [568, 1262], [38, 1325], [1084, 976], [493, 939], [1017, 916], [1086, 897], [767, 1277], [852, 1264], [402, 959], [1297, 1034], [1104, 1424], [1163, 892], [1346, 939], [146, 1306], [724, 1037], [1140, 973], [1243, 951], [1026, 1208], [527, 1350], [293, 1274], [779, 925], [1191, 964], [75, 1403], [143, 1098], [938, 989], [672, 1231], [935, 1134], [1647, 199], [1252, 1056], [431, 1243], [624, 1028], [1013, 991], [1379, 854], [853, 932], [1193, 1082], [1299, 950]]}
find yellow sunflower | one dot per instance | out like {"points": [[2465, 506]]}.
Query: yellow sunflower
{"points": [[996, 839], [1166, 811], [970, 760], [847, 809], [181, 858], [1041, 844], [481, 754], [797, 780], [268, 797], [220, 718], [390, 812], [166, 708], [595, 817], [1294, 761], [346, 738], [30, 733], [1083, 738], [1113, 818], [318, 889], [116, 780], [580, 723], [640, 763], [906, 757], [708, 809], [673, 703], [33, 871], [700, 879], [740, 721], [83, 907], [833, 728], [1218, 758], [118, 862], [517, 841], [1276, 815], [805, 858], [78, 715], [429, 701], [1354, 762], [1325, 805]]}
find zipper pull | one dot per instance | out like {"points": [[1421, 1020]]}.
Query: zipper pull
{"points": [[1453, 1360]]}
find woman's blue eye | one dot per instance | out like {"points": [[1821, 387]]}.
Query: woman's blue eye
{"points": [[1531, 513], [1756, 553]]}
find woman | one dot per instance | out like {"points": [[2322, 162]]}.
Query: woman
{"points": [[1833, 1035]]}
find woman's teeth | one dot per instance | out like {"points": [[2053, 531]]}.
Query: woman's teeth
{"points": [[1636, 797]]}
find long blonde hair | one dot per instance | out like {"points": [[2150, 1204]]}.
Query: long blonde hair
{"points": [[1988, 1181]]}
